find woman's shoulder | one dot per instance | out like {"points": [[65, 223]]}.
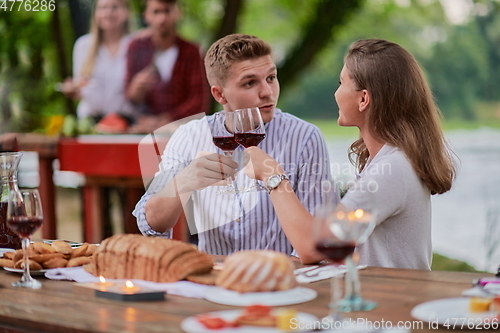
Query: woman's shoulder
{"points": [[392, 161], [388, 152]]}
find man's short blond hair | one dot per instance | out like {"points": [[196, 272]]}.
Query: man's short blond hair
{"points": [[229, 50]]}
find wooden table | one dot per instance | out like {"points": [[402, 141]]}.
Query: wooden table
{"points": [[55, 308], [119, 161]]}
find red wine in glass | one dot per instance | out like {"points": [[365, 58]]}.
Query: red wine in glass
{"points": [[336, 251], [249, 139], [24, 226], [226, 143], [24, 217]]}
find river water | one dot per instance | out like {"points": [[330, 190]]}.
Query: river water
{"points": [[459, 217]]}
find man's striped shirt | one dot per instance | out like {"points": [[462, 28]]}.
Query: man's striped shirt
{"points": [[226, 223]]}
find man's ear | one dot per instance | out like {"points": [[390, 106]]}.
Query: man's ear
{"points": [[364, 100], [218, 94]]}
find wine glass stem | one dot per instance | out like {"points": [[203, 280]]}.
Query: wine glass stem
{"points": [[352, 285], [26, 272], [336, 294], [229, 180]]}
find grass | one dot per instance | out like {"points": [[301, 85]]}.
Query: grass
{"points": [[442, 263], [329, 128]]}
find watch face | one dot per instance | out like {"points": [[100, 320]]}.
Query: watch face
{"points": [[273, 181]]}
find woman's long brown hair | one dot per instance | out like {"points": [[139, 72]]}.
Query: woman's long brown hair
{"points": [[402, 112]]}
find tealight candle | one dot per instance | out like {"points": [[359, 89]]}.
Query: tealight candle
{"points": [[130, 288], [102, 284]]}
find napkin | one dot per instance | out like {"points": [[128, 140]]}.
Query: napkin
{"points": [[317, 273], [181, 288]]}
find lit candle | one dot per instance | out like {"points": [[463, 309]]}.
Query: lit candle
{"points": [[102, 284], [129, 287]]}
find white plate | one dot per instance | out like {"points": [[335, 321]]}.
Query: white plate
{"points": [[273, 298], [5, 249], [72, 244], [192, 325], [32, 272], [453, 312]]}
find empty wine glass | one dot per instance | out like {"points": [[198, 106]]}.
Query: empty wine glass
{"points": [[352, 225], [223, 137], [249, 131], [24, 217]]}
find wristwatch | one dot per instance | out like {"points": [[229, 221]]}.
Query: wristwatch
{"points": [[274, 181]]}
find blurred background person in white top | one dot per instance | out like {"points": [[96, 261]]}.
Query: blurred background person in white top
{"points": [[99, 63]]}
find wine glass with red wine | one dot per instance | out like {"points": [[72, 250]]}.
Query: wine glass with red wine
{"points": [[332, 247], [223, 138], [352, 224], [24, 217], [249, 131]]}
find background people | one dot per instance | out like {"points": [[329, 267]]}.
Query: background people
{"points": [[165, 75], [99, 63]]}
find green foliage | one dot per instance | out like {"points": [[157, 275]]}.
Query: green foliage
{"points": [[455, 80], [461, 62], [24, 58], [49, 52], [489, 27], [442, 263]]}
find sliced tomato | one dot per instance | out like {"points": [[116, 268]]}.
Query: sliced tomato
{"points": [[258, 310], [213, 323]]}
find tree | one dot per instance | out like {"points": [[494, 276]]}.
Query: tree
{"points": [[488, 23]]}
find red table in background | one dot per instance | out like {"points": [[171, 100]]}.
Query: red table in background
{"points": [[112, 161]]}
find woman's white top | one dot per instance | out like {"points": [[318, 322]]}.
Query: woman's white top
{"points": [[402, 236], [105, 91]]}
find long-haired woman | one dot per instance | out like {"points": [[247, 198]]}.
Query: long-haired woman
{"points": [[99, 62], [401, 155]]}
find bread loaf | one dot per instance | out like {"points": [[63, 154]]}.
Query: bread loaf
{"points": [[133, 256], [257, 270]]}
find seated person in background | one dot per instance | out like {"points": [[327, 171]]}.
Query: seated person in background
{"points": [[242, 74], [165, 75], [402, 150], [99, 63]]}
